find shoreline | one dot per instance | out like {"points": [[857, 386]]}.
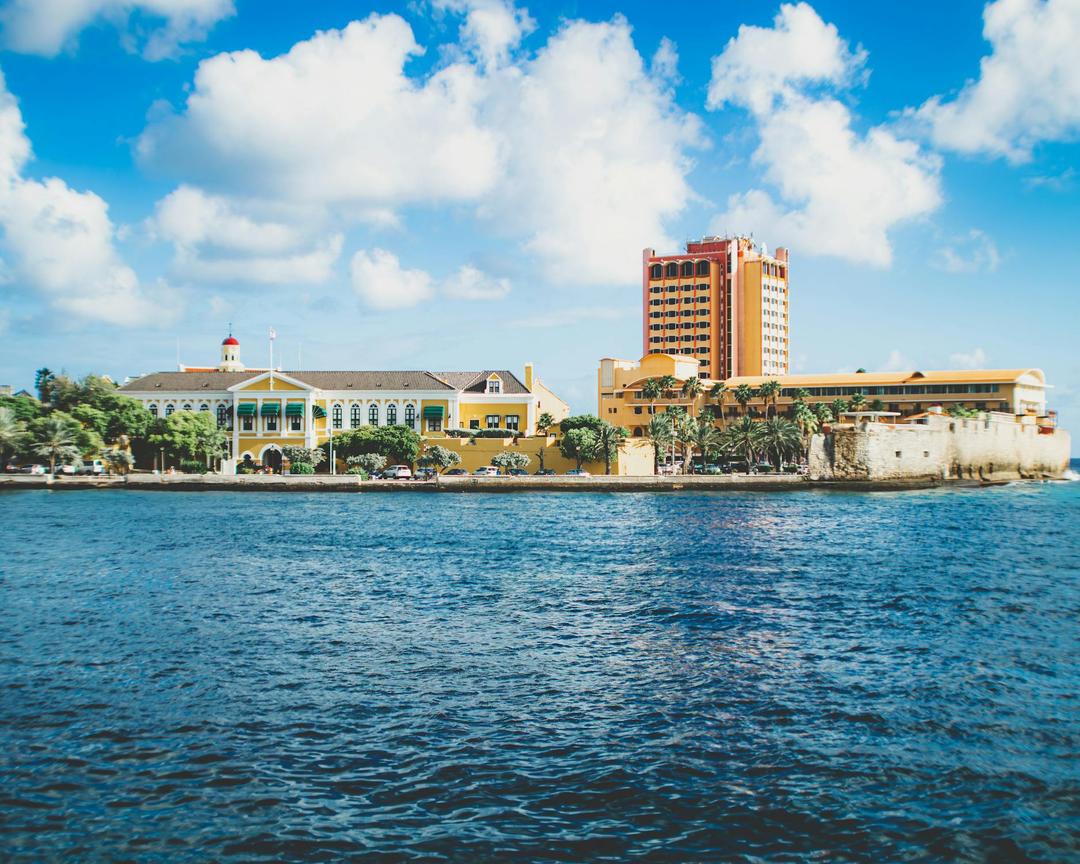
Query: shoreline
{"points": [[493, 485]]}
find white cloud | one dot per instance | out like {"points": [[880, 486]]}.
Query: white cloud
{"points": [[896, 362], [492, 28], [840, 192], [970, 360], [59, 242], [975, 253], [1028, 89], [1060, 182], [578, 153], [665, 61], [380, 280], [215, 240], [470, 283], [47, 26]]}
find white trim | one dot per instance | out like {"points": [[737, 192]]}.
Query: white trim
{"points": [[265, 376]]}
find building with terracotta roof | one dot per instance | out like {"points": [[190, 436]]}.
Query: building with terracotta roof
{"points": [[266, 410]]}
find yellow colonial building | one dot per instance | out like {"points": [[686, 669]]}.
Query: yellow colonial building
{"points": [[620, 383], [266, 410]]}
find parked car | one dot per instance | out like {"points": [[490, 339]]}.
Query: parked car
{"points": [[424, 473], [546, 472], [518, 472], [712, 469], [487, 471], [65, 469], [456, 472], [34, 469], [398, 472], [94, 466], [578, 472]]}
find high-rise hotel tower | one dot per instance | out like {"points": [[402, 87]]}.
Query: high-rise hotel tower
{"points": [[726, 302]]}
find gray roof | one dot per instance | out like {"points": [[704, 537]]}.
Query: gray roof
{"points": [[186, 382]]}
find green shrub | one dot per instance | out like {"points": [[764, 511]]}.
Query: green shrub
{"points": [[461, 433], [244, 468], [192, 466], [301, 468], [356, 469], [496, 433]]}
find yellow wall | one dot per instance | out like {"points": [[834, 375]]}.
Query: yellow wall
{"points": [[477, 452], [474, 411], [278, 384], [750, 333]]}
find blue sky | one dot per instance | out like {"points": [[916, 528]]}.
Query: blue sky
{"points": [[468, 183]]}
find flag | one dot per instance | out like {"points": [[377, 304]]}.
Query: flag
{"points": [[273, 334]]}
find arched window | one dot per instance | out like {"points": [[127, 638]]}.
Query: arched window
{"points": [[391, 415], [410, 416], [354, 416], [373, 414], [186, 407], [656, 271], [702, 268], [169, 409], [671, 269], [152, 409], [337, 412], [687, 268], [222, 415], [204, 407]]}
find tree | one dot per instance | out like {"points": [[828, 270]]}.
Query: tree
{"points": [[685, 434], [823, 412], [858, 400], [86, 441], [718, 391], [780, 439], [43, 380], [370, 463], [651, 390], [609, 438], [544, 422], [580, 444], [706, 439], [118, 460], [667, 385], [313, 456], [962, 412], [581, 421], [877, 405], [399, 444], [661, 434], [12, 433], [743, 437], [805, 418], [438, 457], [186, 434], [25, 408], [91, 418], [839, 406], [770, 390], [56, 442], [510, 460], [743, 394], [692, 388]]}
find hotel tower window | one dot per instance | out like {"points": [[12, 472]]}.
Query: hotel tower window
{"points": [[373, 415], [391, 415], [354, 416], [336, 415], [410, 416]]}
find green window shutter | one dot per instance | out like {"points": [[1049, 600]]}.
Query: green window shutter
{"points": [[271, 409], [318, 411], [246, 409], [434, 412], [294, 409]]}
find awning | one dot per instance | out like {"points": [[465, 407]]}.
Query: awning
{"points": [[246, 409], [294, 409], [433, 411], [318, 411], [271, 409]]}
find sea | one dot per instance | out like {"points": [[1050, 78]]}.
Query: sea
{"points": [[750, 677]]}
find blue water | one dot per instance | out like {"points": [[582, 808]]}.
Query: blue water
{"points": [[543, 677]]}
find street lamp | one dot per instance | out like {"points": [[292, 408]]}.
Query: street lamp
{"points": [[162, 451]]}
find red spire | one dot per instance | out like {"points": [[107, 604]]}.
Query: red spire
{"points": [[231, 340]]}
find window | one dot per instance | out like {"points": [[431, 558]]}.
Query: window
{"points": [[637, 409], [222, 416], [294, 424], [336, 413], [492, 421], [169, 409], [656, 302], [204, 407], [354, 416], [494, 385], [187, 407], [373, 414], [247, 423], [687, 268], [391, 415], [474, 424], [656, 339], [434, 424], [271, 424], [702, 268], [152, 409], [656, 271], [410, 416], [512, 421], [671, 270]]}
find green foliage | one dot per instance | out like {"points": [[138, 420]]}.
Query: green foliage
{"points": [[91, 418], [651, 390], [496, 433], [438, 457], [838, 407], [580, 443], [580, 421], [667, 384], [189, 434], [692, 387], [780, 439], [43, 379], [54, 440], [369, 463], [877, 405], [743, 394], [461, 433], [962, 412], [12, 434], [858, 400], [608, 440], [510, 459], [310, 456], [117, 460], [192, 466], [770, 391], [25, 408], [544, 422], [301, 468], [744, 438], [661, 434], [805, 418], [356, 469], [399, 444], [86, 441]]}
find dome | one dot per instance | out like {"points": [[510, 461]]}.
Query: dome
{"points": [[231, 340]]}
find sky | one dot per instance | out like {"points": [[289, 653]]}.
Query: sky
{"points": [[468, 184]]}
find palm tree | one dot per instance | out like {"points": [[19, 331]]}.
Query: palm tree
{"points": [[651, 390], [823, 412], [743, 394], [685, 434], [118, 460], [544, 422], [43, 379], [858, 399], [692, 388], [667, 384], [660, 433], [770, 390], [57, 443], [780, 438], [743, 437], [719, 389], [802, 394], [609, 438], [805, 418], [839, 406], [877, 405], [12, 433], [706, 439]]}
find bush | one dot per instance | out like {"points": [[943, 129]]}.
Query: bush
{"points": [[496, 433], [461, 433], [192, 466], [356, 469], [301, 468], [245, 468]]}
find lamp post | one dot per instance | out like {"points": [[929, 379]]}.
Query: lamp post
{"points": [[162, 451]]}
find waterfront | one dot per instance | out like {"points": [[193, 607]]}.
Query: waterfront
{"points": [[678, 677]]}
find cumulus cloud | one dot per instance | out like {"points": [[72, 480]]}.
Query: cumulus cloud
{"points": [[381, 282], [59, 242], [216, 240], [840, 192], [975, 359], [897, 361], [974, 253], [1028, 89], [471, 283], [47, 26], [578, 153]]}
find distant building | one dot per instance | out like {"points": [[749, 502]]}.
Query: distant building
{"points": [[5, 389], [266, 410], [724, 302], [1020, 392]]}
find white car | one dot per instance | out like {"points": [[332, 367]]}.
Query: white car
{"points": [[486, 471], [398, 472]]}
